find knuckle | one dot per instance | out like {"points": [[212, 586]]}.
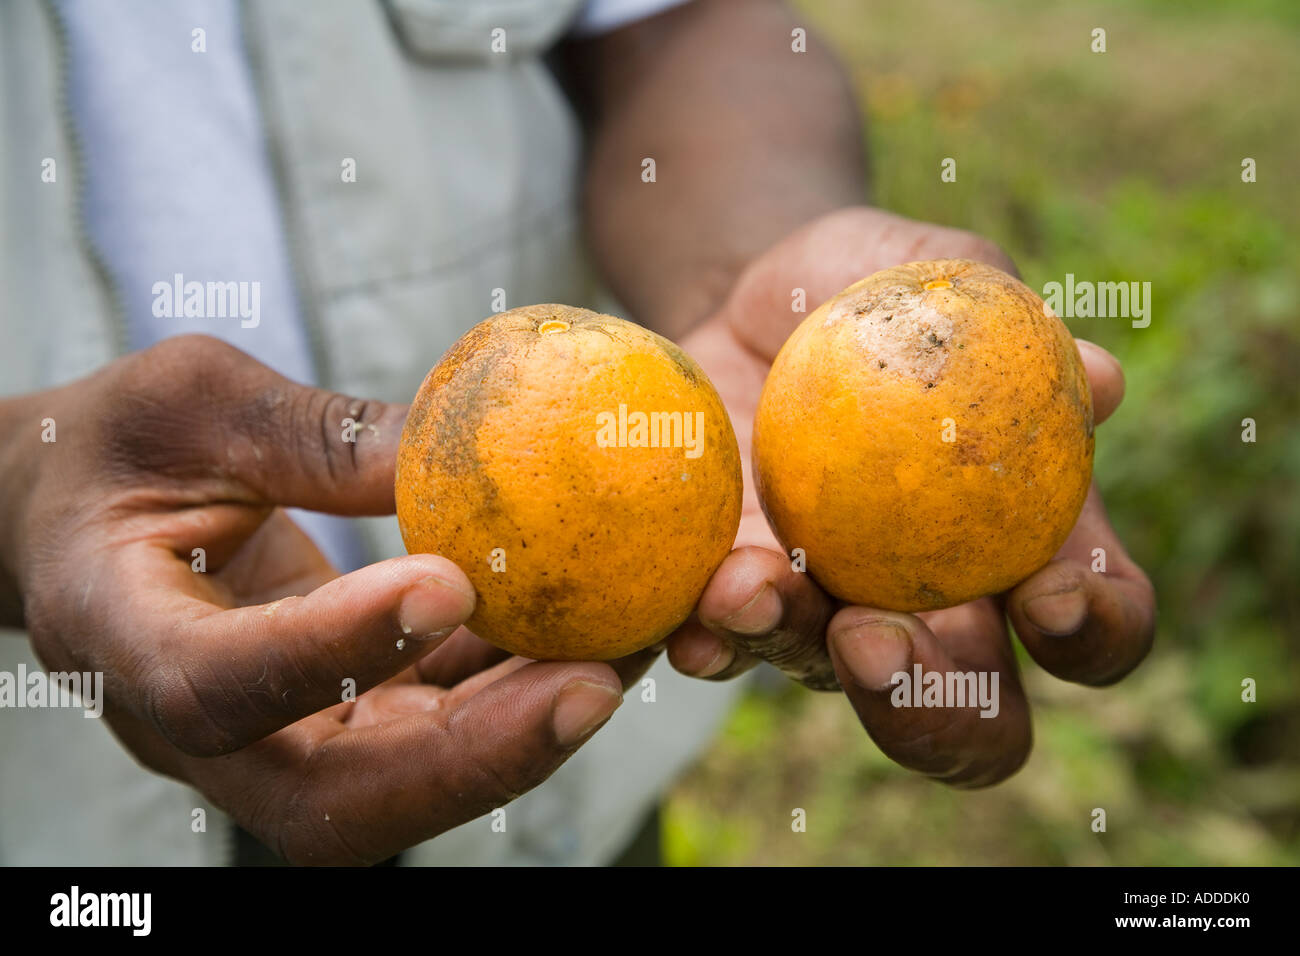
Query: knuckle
{"points": [[799, 653], [305, 832], [1116, 653], [498, 783], [42, 624], [820, 677], [192, 350], [1061, 574], [314, 422], [1009, 754], [335, 410], [177, 366], [57, 616], [184, 716], [740, 665], [160, 403], [314, 838], [491, 778], [995, 771]]}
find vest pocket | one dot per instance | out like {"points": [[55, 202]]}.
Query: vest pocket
{"points": [[480, 30]]}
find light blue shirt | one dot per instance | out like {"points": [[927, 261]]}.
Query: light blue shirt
{"points": [[179, 186], [178, 183]]}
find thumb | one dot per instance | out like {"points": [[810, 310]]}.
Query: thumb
{"points": [[325, 451], [779, 289], [214, 411], [1105, 376], [828, 254]]}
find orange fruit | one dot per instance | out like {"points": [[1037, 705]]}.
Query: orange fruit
{"points": [[925, 436], [583, 473]]}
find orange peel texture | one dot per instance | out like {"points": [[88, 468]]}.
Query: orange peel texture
{"points": [[926, 437], [583, 473]]}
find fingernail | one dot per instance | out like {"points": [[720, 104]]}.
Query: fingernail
{"points": [[697, 652], [721, 660], [760, 615], [580, 709], [1105, 355], [875, 652], [432, 608], [1058, 614]]}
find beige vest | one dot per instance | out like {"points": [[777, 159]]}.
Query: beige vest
{"points": [[468, 163]]}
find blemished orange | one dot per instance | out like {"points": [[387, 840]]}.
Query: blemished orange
{"points": [[583, 473], [926, 437]]}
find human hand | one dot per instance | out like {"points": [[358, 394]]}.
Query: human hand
{"points": [[233, 678], [1082, 626]]}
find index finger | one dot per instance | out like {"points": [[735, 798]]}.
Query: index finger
{"points": [[326, 792], [212, 679], [1106, 378], [1088, 616], [757, 607]]}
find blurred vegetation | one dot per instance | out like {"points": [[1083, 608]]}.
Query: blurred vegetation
{"points": [[1117, 166]]}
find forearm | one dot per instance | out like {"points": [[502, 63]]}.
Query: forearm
{"points": [[749, 140]]}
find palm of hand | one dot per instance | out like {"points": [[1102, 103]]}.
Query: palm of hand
{"points": [[1082, 626]]}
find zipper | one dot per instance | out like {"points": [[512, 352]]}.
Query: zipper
{"points": [[118, 338], [307, 305], [108, 288]]}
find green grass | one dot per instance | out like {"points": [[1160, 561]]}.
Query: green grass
{"points": [[1124, 165]]}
